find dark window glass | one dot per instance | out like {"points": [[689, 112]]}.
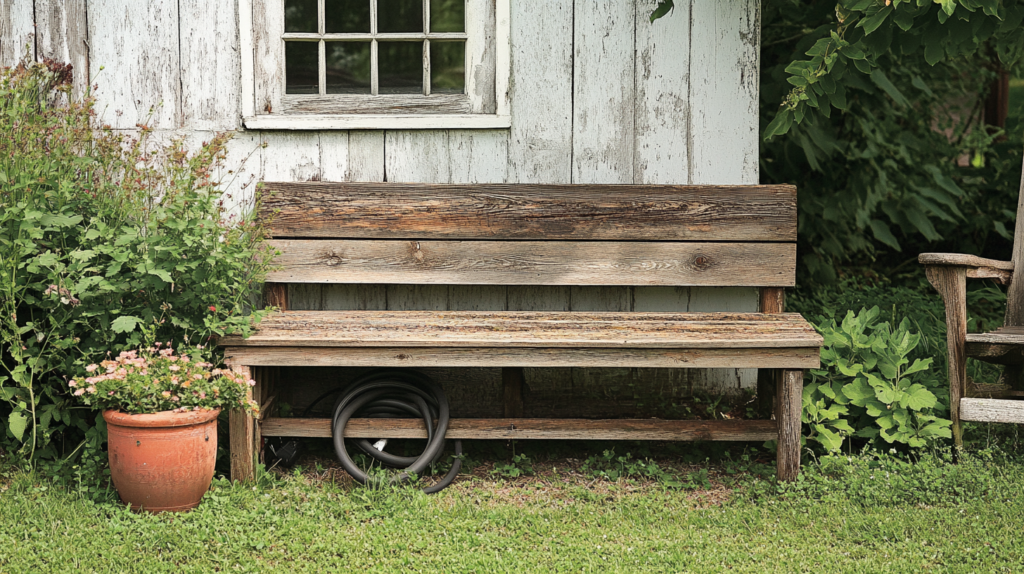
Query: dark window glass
{"points": [[346, 16], [302, 75], [399, 16], [300, 16], [400, 67], [447, 15], [447, 67], [348, 67]]}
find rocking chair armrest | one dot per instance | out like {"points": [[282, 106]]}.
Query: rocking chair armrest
{"points": [[976, 267]]}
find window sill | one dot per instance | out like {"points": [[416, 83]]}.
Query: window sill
{"points": [[377, 122]]}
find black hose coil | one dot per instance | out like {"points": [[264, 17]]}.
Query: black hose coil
{"points": [[391, 393]]}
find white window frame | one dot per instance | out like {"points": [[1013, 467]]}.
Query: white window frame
{"points": [[263, 81]]}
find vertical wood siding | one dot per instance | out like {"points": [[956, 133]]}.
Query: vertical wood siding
{"points": [[598, 94]]}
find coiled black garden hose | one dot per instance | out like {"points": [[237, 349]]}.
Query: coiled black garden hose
{"points": [[388, 393]]}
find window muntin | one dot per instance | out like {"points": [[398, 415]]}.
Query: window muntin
{"points": [[468, 73], [385, 47]]}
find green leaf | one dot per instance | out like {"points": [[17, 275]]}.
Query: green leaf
{"points": [[938, 428], [923, 224], [920, 398], [934, 51], [162, 274], [664, 6], [832, 441], [882, 233], [948, 6], [780, 125], [882, 81], [866, 432], [904, 19], [859, 390], [838, 99], [125, 324], [872, 23], [842, 425], [919, 365], [17, 422]]}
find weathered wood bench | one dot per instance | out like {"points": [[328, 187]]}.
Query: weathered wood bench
{"points": [[626, 235]]}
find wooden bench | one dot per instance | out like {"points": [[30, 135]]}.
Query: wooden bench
{"points": [[626, 235]]}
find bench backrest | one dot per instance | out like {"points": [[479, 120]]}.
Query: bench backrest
{"points": [[526, 234]]}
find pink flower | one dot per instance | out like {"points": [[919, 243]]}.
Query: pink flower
{"points": [[166, 393], [79, 392], [202, 395], [91, 389], [111, 393], [175, 399], [91, 368], [213, 309], [174, 368], [252, 383], [73, 383]]}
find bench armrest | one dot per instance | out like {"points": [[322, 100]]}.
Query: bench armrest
{"points": [[976, 267]]}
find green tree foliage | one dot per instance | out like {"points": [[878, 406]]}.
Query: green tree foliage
{"points": [[867, 105]]}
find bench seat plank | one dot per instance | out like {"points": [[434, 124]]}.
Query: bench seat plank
{"points": [[504, 329], [534, 263], [531, 211], [567, 429], [419, 357]]}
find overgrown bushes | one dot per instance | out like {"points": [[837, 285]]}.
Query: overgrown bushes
{"points": [[103, 232]]}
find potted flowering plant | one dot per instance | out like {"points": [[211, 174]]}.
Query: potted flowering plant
{"points": [[161, 411]]}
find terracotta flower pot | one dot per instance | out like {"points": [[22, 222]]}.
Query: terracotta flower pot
{"points": [[162, 462]]}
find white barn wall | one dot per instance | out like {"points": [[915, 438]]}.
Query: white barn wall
{"points": [[598, 94]]}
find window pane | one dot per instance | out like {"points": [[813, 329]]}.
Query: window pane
{"points": [[399, 15], [300, 16], [400, 67], [447, 67], [301, 71], [447, 15], [348, 67], [341, 16]]}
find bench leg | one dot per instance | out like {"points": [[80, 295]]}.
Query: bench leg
{"points": [[242, 438], [789, 394]]}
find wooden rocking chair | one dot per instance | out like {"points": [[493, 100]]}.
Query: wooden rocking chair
{"points": [[948, 273]]}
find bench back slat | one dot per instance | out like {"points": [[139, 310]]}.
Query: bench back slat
{"points": [[758, 213], [535, 263]]}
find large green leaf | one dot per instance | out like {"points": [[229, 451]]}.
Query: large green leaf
{"points": [[920, 398], [125, 324], [17, 422], [859, 390]]}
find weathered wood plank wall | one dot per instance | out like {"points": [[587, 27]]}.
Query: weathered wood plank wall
{"points": [[598, 95]]}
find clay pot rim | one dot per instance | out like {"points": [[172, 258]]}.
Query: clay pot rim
{"points": [[160, 419]]}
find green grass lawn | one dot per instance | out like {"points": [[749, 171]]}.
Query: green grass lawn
{"points": [[859, 514]]}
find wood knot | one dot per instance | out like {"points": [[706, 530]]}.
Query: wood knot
{"points": [[702, 262], [402, 357], [417, 253], [332, 259]]}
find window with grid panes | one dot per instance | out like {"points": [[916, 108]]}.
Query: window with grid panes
{"points": [[379, 64]]}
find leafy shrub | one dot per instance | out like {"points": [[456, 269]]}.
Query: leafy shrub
{"points": [[102, 233], [158, 380], [870, 389]]}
